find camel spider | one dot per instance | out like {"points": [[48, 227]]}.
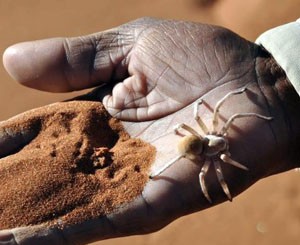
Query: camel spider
{"points": [[210, 148]]}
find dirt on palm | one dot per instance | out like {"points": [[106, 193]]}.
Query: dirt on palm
{"points": [[81, 165]]}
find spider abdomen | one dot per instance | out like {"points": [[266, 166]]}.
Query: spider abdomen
{"points": [[190, 146]]}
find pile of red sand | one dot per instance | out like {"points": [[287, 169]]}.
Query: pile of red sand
{"points": [[81, 165]]}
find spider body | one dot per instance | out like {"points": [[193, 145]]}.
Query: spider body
{"points": [[210, 148], [193, 147], [214, 145]]}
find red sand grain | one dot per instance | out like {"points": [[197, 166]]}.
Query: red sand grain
{"points": [[81, 165]]}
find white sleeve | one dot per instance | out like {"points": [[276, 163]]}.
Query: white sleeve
{"points": [[283, 42]]}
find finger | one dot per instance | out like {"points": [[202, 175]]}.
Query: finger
{"points": [[32, 235], [7, 237], [41, 234], [131, 219], [134, 100], [134, 218], [17, 132], [129, 100], [68, 64]]}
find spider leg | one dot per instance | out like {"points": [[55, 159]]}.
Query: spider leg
{"points": [[241, 115], [197, 117], [225, 158], [167, 165], [221, 179], [186, 128], [202, 174], [215, 120]]}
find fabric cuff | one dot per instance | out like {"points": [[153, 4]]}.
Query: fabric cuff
{"points": [[283, 42]]}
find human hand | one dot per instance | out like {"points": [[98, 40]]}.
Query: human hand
{"points": [[155, 67], [212, 62]]}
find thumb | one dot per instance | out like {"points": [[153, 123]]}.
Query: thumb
{"points": [[68, 64]]}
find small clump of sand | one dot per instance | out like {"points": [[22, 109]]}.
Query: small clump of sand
{"points": [[80, 165]]}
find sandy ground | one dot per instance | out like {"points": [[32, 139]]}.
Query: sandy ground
{"points": [[269, 212]]}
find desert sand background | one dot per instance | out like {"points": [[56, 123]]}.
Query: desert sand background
{"points": [[267, 213]]}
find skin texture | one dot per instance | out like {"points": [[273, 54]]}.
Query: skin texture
{"points": [[150, 72]]}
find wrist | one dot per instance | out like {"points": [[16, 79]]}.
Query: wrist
{"points": [[284, 104]]}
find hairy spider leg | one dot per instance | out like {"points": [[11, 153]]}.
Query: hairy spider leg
{"points": [[187, 128], [215, 120], [225, 158], [202, 174], [197, 117], [241, 115], [221, 179]]}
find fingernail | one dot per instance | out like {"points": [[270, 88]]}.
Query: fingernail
{"points": [[7, 238]]}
